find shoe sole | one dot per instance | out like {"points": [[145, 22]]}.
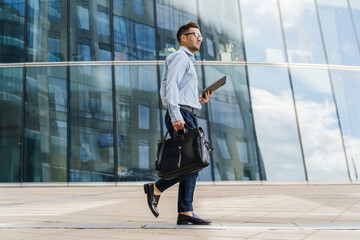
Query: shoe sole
{"points": [[187, 223]]}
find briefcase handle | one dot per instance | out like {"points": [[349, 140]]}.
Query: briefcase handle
{"points": [[163, 144]]}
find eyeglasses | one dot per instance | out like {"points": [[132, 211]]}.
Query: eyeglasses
{"points": [[197, 36]]}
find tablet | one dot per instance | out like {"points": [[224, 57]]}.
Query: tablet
{"points": [[214, 86]]}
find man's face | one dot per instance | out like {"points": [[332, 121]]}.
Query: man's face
{"points": [[192, 40]]}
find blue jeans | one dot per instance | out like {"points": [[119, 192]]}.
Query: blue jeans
{"points": [[186, 182]]}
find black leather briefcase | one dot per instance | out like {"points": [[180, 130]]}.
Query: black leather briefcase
{"points": [[183, 154]]}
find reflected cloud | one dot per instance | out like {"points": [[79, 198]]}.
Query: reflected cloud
{"points": [[276, 130]]}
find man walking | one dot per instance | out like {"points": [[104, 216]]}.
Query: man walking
{"points": [[179, 94]]}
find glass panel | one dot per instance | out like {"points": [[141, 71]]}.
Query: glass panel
{"points": [[262, 43], [45, 154], [10, 123], [91, 124], [220, 27], [355, 9], [12, 31], [346, 87], [232, 132], [137, 106], [320, 133], [47, 31], [170, 16], [302, 33], [90, 30], [339, 36], [134, 34], [275, 123]]}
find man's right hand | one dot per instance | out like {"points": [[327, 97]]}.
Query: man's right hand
{"points": [[178, 125]]}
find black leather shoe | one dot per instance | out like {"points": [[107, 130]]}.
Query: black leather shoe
{"points": [[152, 199], [195, 219]]}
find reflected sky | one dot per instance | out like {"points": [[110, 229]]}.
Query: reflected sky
{"points": [[338, 32], [275, 123], [346, 88], [302, 33], [320, 133], [262, 43]]}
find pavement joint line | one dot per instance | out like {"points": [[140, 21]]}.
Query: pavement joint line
{"points": [[214, 226]]}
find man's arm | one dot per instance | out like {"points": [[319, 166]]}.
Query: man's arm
{"points": [[176, 71]]}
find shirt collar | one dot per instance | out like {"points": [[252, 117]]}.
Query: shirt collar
{"points": [[191, 56]]}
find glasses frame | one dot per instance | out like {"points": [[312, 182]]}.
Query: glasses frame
{"points": [[196, 35]]}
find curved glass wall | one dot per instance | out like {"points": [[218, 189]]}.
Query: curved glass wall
{"points": [[346, 85], [12, 16], [275, 123], [220, 27], [262, 43], [10, 123], [79, 88], [319, 126], [46, 31], [339, 36], [45, 125]]}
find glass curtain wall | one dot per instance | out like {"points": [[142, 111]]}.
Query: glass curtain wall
{"points": [[47, 31], [10, 123], [319, 125], [346, 87], [134, 30], [302, 31], [170, 15], [12, 31], [45, 154], [90, 38], [138, 128], [339, 36], [262, 43], [220, 27], [275, 123], [230, 120], [91, 124]]}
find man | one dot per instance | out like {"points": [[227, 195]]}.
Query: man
{"points": [[179, 94]]}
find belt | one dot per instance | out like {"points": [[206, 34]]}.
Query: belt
{"points": [[189, 109]]}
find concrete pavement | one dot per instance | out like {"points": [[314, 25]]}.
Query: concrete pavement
{"points": [[238, 211]]}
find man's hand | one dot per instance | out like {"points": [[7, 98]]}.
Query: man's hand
{"points": [[178, 125], [206, 99]]}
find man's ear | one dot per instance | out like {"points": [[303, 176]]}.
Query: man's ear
{"points": [[183, 38]]}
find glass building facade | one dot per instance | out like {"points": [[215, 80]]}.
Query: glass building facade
{"points": [[79, 88]]}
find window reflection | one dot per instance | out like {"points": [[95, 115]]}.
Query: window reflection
{"points": [[346, 87], [222, 34], [320, 133], [12, 30], [339, 36], [10, 123], [137, 105], [45, 154], [231, 125], [302, 33], [263, 44], [275, 123], [46, 31], [92, 155], [90, 31], [134, 35], [170, 16]]}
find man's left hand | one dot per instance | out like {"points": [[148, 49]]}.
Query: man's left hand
{"points": [[206, 98]]}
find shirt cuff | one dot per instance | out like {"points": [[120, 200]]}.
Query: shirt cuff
{"points": [[175, 115]]}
